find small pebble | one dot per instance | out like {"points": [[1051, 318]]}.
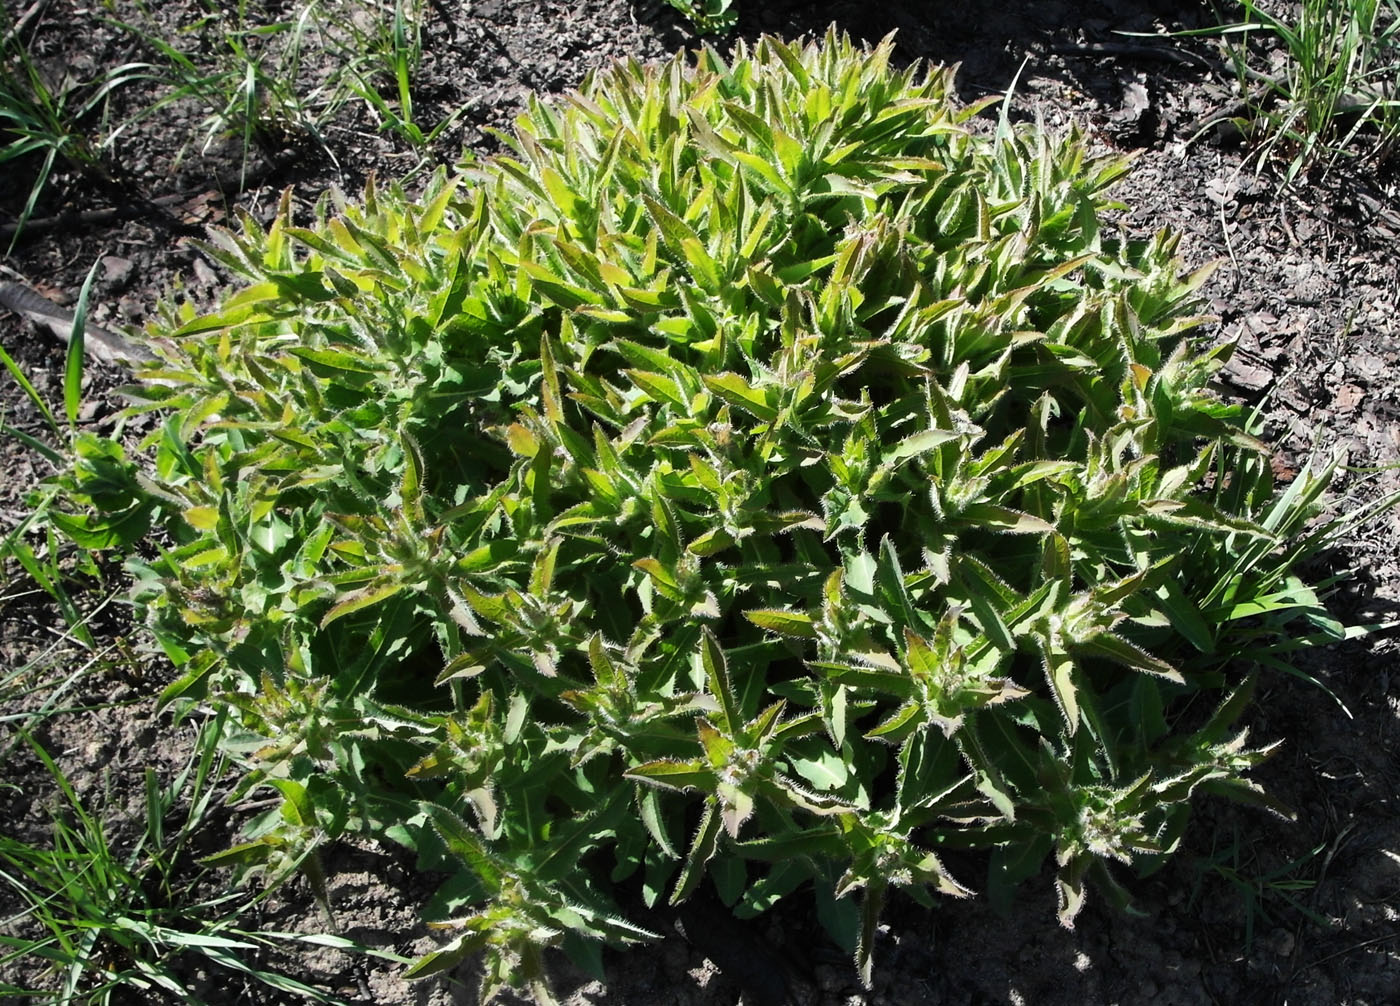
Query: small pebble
{"points": [[117, 269]]}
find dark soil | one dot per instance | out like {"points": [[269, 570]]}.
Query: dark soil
{"points": [[1253, 909]]}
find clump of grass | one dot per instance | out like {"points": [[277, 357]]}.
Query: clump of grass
{"points": [[101, 917], [1260, 890], [45, 122], [388, 56], [255, 80], [709, 16], [1335, 92], [248, 75], [262, 81]]}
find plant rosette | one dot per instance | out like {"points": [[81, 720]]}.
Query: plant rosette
{"points": [[762, 479]]}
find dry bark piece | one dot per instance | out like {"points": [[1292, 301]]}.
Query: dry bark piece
{"points": [[104, 344]]}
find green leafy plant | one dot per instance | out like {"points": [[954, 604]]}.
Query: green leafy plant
{"points": [[763, 479], [47, 565]]}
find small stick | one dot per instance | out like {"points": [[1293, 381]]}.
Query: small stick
{"points": [[1141, 50], [106, 215], [220, 183], [23, 21], [1349, 950]]}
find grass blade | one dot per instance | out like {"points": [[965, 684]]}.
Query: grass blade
{"points": [[73, 363], [29, 389]]}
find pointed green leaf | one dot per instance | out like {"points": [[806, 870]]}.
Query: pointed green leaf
{"points": [[895, 683], [702, 849], [1059, 671], [717, 680], [448, 957], [1118, 649], [785, 623], [1000, 518], [649, 809], [916, 445], [736, 391], [870, 907], [674, 775], [358, 599]]}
